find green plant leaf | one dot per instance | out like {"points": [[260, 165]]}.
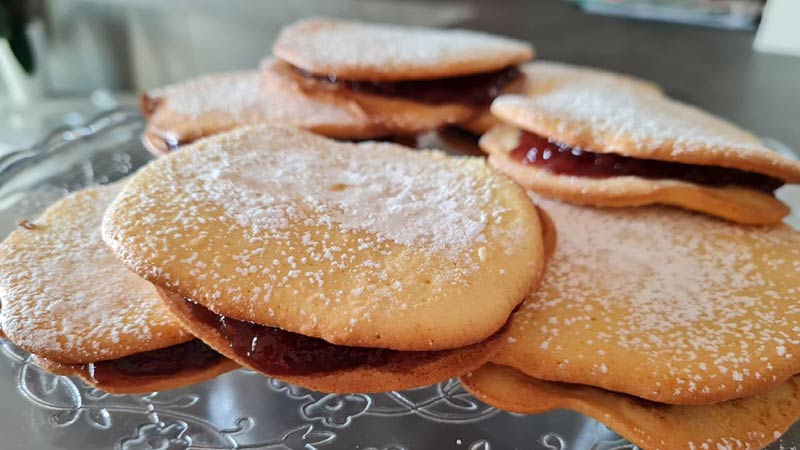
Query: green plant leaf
{"points": [[5, 23], [21, 47]]}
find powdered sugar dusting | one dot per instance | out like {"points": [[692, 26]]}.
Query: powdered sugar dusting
{"points": [[65, 294], [411, 199], [650, 122], [280, 226], [373, 51], [543, 76], [234, 92], [601, 114], [665, 303], [242, 98]]}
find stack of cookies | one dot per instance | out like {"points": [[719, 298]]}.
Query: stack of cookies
{"points": [[69, 301], [347, 80], [341, 267], [630, 263], [337, 266], [677, 329], [604, 140]]}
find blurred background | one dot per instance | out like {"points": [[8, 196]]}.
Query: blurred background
{"points": [[62, 61]]}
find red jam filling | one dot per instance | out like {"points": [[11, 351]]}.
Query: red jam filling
{"points": [[534, 150], [278, 352], [164, 361], [477, 89]]}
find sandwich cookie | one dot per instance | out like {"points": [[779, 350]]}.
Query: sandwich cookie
{"points": [[662, 304], [305, 258], [343, 369], [747, 423], [596, 144], [541, 76], [79, 311], [407, 79], [184, 112]]}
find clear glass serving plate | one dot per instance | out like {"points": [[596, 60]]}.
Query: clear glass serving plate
{"points": [[239, 410]]}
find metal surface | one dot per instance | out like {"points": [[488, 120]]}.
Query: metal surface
{"points": [[240, 409]]}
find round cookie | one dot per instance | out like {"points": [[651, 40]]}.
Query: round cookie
{"points": [[157, 145], [601, 118], [479, 123], [366, 244], [750, 423], [541, 76], [549, 236], [544, 77], [394, 115], [186, 111], [67, 298], [381, 52], [122, 384], [662, 304], [404, 370], [737, 204]]}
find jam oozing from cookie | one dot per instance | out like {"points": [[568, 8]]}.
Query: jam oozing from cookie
{"points": [[279, 352], [192, 355], [477, 89], [561, 159]]}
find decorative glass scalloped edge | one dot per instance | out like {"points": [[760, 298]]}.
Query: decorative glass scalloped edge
{"points": [[239, 410]]}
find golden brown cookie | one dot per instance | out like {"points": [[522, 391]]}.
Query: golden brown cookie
{"points": [[406, 79], [607, 145], [184, 112], [662, 304], [389, 372], [737, 204], [367, 244], [541, 76], [550, 76], [479, 123], [116, 382], [67, 299], [155, 144], [645, 126], [58, 283], [549, 236], [382, 52], [395, 115], [747, 423], [401, 370]]}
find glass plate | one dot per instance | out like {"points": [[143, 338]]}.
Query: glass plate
{"points": [[239, 410]]}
